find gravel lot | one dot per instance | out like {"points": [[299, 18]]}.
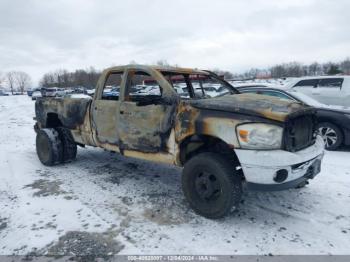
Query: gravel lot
{"points": [[105, 204]]}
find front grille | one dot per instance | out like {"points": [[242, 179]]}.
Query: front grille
{"points": [[300, 132]]}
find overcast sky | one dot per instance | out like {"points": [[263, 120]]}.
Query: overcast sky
{"points": [[40, 36]]}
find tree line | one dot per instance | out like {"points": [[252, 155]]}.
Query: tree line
{"points": [[88, 77], [17, 81], [295, 69], [63, 78]]}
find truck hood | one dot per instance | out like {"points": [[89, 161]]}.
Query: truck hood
{"points": [[253, 104]]}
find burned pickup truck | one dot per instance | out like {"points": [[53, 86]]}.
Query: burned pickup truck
{"points": [[224, 140]]}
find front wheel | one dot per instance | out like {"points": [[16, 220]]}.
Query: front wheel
{"points": [[211, 185]]}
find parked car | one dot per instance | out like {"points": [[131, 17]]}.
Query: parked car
{"points": [[222, 142], [90, 92], [53, 92], [79, 90], [112, 94], [182, 90], [330, 90], [333, 121], [36, 94], [208, 89], [148, 89], [241, 85], [31, 91], [3, 93]]}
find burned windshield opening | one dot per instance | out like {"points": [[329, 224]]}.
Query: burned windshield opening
{"points": [[197, 85]]}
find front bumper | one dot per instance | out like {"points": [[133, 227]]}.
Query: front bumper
{"points": [[261, 168]]}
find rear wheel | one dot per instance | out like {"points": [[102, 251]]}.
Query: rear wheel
{"points": [[211, 185], [331, 134], [49, 146], [68, 144]]}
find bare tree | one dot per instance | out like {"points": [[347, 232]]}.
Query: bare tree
{"points": [[345, 66], [315, 69], [294, 69], [278, 71], [11, 80], [326, 67], [2, 78], [23, 80], [62, 78], [46, 80], [162, 62], [222, 73]]}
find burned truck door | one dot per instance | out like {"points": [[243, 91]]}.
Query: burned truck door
{"points": [[145, 116], [105, 109]]}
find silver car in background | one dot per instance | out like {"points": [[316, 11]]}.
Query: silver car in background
{"points": [[36, 94], [53, 92]]}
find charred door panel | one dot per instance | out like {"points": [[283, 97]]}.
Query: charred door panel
{"points": [[105, 109], [145, 128], [105, 120]]}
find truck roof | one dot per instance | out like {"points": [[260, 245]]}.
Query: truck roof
{"points": [[180, 70]]}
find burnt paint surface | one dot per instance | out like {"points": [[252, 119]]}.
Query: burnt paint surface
{"points": [[251, 104], [156, 131], [70, 111], [145, 128], [105, 119]]}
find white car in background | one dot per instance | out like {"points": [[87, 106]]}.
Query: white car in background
{"points": [[53, 92], [330, 90], [182, 90], [209, 89], [147, 89], [36, 94], [90, 92]]}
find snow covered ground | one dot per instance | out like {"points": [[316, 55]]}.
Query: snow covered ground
{"points": [[105, 203]]}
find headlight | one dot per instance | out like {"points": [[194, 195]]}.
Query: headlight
{"points": [[259, 136]]}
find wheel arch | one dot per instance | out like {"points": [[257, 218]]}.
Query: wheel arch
{"points": [[195, 144], [53, 120]]}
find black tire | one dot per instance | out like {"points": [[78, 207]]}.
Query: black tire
{"points": [[331, 134], [302, 185], [211, 185], [68, 144], [49, 146]]}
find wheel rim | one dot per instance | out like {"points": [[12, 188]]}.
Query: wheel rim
{"points": [[329, 136], [207, 186]]}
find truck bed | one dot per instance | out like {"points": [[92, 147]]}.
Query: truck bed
{"points": [[69, 111]]}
